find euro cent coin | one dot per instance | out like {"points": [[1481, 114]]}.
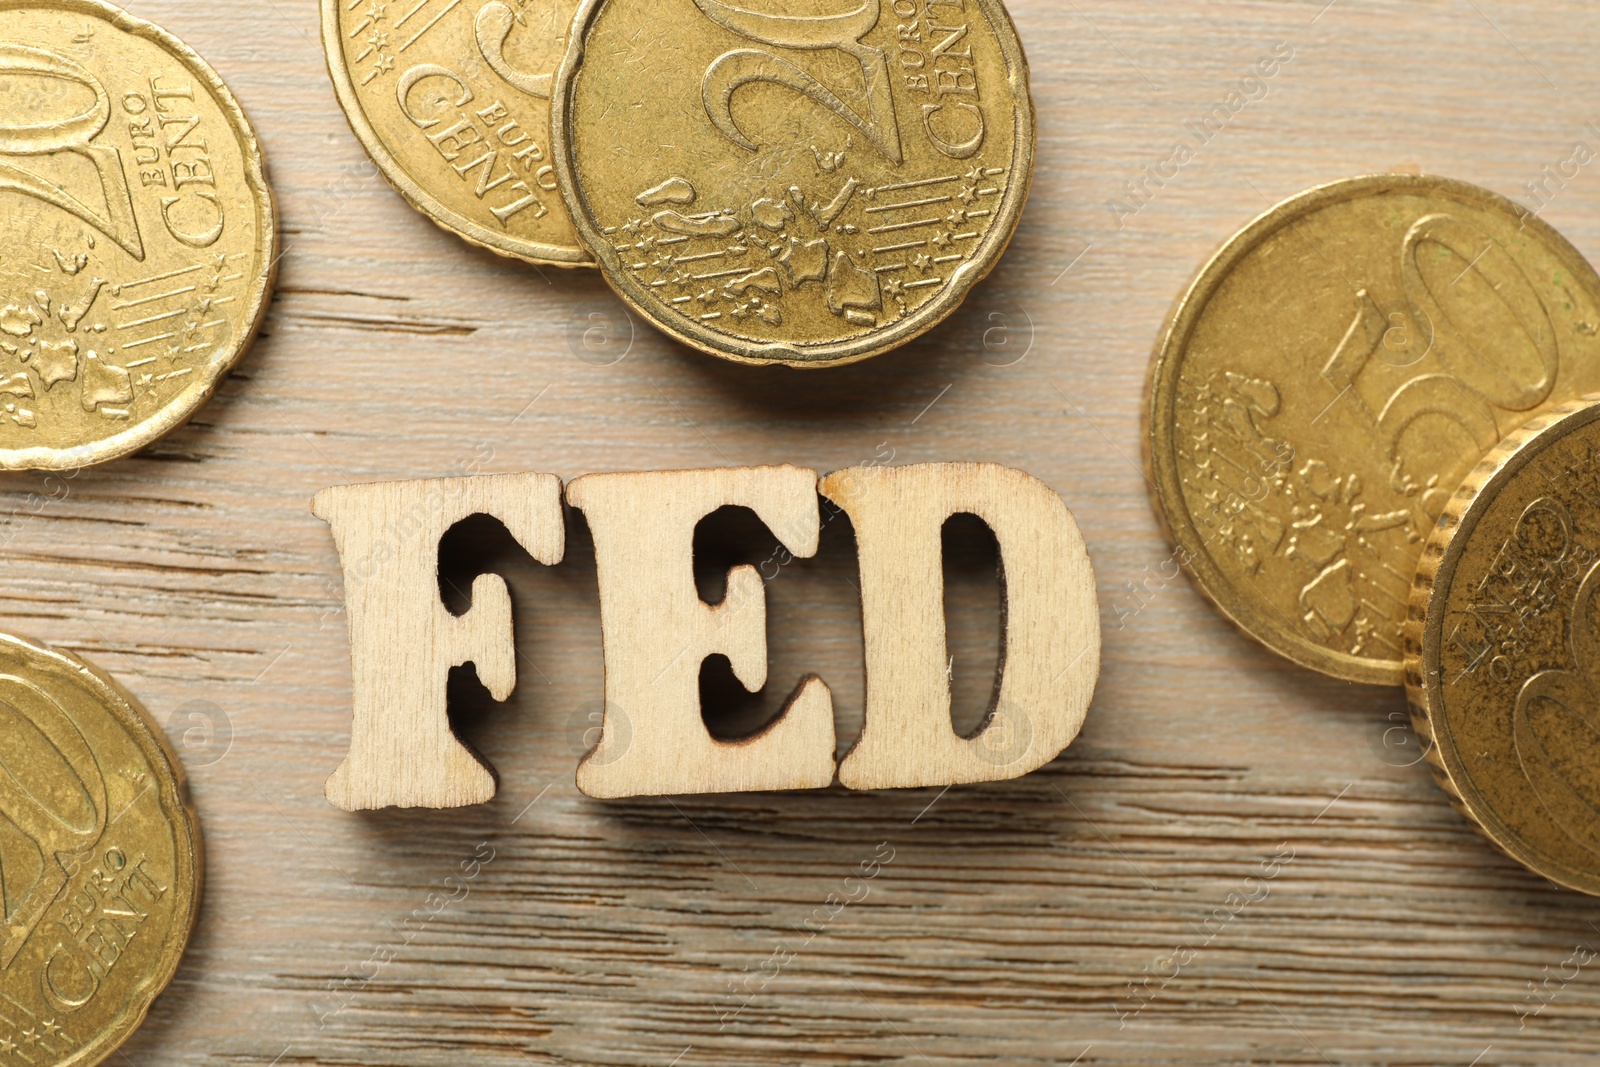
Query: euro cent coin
{"points": [[1503, 646], [1327, 381], [451, 99], [138, 231], [773, 183], [99, 856]]}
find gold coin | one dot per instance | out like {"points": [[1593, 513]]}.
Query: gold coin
{"points": [[774, 184], [138, 232], [1329, 378], [452, 102], [1503, 646], [99, 856]]}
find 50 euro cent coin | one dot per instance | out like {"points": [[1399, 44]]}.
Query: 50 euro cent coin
{"points": [[99, 858], [1327, 381], [1503, 646]]}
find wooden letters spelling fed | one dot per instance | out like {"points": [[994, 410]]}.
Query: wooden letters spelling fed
{"points": [[657, 631]]}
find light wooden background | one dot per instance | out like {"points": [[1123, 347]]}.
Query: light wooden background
{"points": [[1013, 915]]}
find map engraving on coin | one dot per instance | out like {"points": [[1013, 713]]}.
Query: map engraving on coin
{"points": [[1329, 378], [1503, 646], [99, 860], [794, 182], [452, 102], [138, 227]]}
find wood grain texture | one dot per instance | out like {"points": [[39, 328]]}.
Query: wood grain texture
{"points": [[1012, 915]]}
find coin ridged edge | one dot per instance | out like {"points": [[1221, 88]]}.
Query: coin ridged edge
{"points": [[186, 404], [173, 792], [1421, 635], [1161, 473], [535, 253], [836, 353]]}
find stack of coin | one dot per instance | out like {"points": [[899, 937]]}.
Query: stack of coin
{"points": [[1316, 401], [765, 186]]}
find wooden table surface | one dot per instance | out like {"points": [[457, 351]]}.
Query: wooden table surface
{"points": [[1013, 916]]}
